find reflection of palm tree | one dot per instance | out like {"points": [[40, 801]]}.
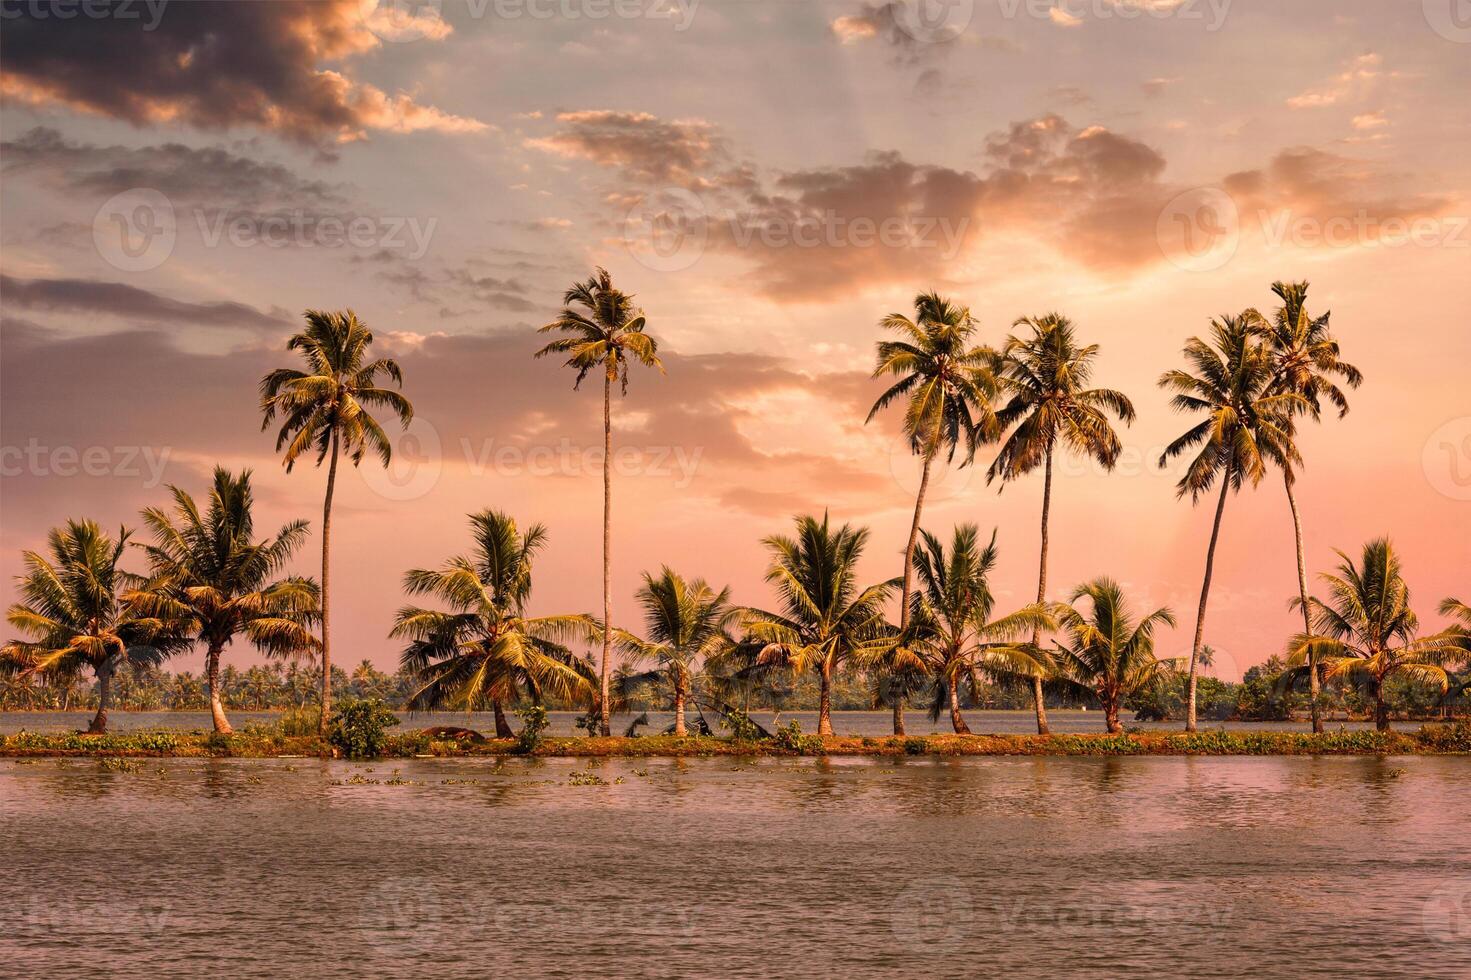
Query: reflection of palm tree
{"points": [[1305, 361], [948, 387], [1367, 629], [1247, 425], [1044, 378], [608, 335], [325, 410], [1108, 653]]}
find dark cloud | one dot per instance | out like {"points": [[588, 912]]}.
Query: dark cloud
{"points": [[115, 299], [645, 148], [215, 64]]}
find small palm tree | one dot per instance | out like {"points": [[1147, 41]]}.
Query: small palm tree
{"points": [[211, 577], [952, 616], [485, 648], [325, 410], [684, 622], [1108, 653], [948, 386], [1367, 629], [73, 611], [1305, 361], [1044, 379], [1247, 425], [824, 620], [608, 332]]}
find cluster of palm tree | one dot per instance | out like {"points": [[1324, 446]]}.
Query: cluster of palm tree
{"points": [[1252, 380]]}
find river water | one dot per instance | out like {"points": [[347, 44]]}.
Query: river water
{"points": [[914, 867]]}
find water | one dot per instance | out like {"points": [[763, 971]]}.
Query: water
{"points": [[914, 867], [564, 722]]}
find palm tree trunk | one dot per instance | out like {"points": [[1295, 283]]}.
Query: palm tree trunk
{"points": [[603, 720], [1381, 708], [502, 726], [212, 676], [825, 700], [104, 695], [1111, 714], [327, 592], [1037, 697], [680, 693], [1314, 683], [924, 484], [1205, 591], [957, 722]]}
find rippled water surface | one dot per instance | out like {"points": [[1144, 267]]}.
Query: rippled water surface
{"points": [[1010, 867]]}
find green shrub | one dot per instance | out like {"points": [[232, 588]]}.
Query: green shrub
{"points": [[790, 738], [916, 746], [533, 723], [298, 722], [1446, 738], [360, 727], [742, 728]]}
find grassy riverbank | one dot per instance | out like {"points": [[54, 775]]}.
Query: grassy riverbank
{"points": [[1428, 740]]}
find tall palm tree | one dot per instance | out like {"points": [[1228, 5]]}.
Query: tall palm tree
{"points": [[210, 576], [73, 612], [1306, 361], [1044, 379], [325, 410], [1109, 653], [485, 648], [824, 620], [948, 386], [608, 332], [956, 636], [1367, 629], [683, 622], [1247, 425]]}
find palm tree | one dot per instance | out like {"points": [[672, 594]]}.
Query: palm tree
{"points": [[326, 409], [609, 334], [1367, 629], [948, 386], [1109, 653], [684, 621], [1247, 425], [1306, 362], [956, 636], [825, 620], [1044, 379], [485, 648], [75, 616], [212, 578]]}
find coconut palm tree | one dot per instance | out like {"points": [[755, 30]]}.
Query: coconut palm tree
{"points": [[325, 410], [1305, 361], [1109, 653], [608, 332], [824, 620], [73, 612], [956, 636], [1366, 628], [683, 622], [1044, 380], [948, 385], [1247, 425], [211, 577], [485, 648]]}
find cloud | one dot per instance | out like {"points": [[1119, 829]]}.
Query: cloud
{"points": [[117, 299], [644, 147], [1062, 18], [1156, 86], [217, 66], [1358, 77], [1370, 120]]}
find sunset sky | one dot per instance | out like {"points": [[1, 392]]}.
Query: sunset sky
{"points": [[769, 178]]}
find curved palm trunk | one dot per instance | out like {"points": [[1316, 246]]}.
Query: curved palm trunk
{"points": [[825, 700], [104, 696], [1314, 684], [327, 592], [603, 720], [924, 484], [1205, 591], [957, 722], [681, 691], [1037, 697], [212, 677], [502, 726], [1110, 701]]}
